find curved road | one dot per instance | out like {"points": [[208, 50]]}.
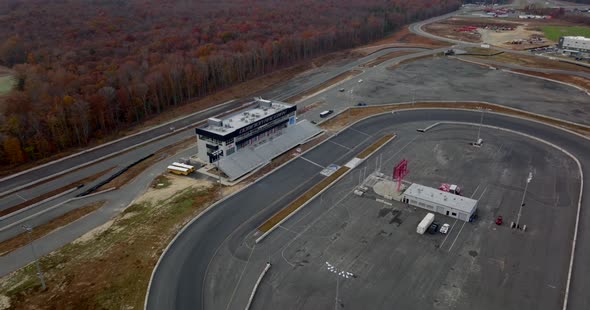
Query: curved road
{"points": [[178, 281]]}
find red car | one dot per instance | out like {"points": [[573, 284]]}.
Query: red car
{"points": [[499, 220]]}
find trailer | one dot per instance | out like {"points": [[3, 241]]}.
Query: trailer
{"points": [[425, 223], [178, 170], [185, 166]]}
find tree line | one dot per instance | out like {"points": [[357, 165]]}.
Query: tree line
{"points": [[87, 69]]}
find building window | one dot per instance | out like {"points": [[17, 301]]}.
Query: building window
{"points": [[454, 214]]}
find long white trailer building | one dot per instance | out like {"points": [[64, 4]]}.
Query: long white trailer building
{"points": [[433, 199]]}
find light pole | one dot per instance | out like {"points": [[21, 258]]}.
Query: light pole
{"points": [[217, 157], [29, 230], [528, 180], [339, 273]]}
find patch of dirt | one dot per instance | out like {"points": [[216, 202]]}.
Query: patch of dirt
{"points": [[177, 183], [530, 61], [377, 144], [4, 302], [18, 241], [521, 38], [401, 38]]}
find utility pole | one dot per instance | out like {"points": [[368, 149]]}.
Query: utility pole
{"points": [[29, 230], [528, 180]]}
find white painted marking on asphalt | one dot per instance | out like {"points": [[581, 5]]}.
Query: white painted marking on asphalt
{"points": [[551, 286], [366, 134], [448, 233], [346, 147], [460, 230], [19, 196], [240, 279], [312, 162], [482, 193], [475, 190]]}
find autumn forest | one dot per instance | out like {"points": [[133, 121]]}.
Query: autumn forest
{"points": [[86, 69]]}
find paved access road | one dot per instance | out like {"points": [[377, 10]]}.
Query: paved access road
{"points": [[179, 280]]}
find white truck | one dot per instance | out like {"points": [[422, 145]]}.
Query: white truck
{"points": [[425, 223]]}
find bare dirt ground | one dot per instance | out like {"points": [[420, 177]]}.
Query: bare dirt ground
{"points": [[401, 38], [525, 30], [529, 61], [521, 38]]}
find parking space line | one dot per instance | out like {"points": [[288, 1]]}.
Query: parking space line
{"points": [[460, 230], [448, 233], [475, 190], [346, 147], [312, 162]]}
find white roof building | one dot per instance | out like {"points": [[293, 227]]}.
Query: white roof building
{"points": [[433, 199]]}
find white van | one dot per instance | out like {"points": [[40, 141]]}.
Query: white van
{"points": [[326, 113]]}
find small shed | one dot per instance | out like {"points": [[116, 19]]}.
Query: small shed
{"points": [[445, 203]]}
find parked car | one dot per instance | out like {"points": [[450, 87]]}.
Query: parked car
{"points": [[433, 229], [499, 220], [361, 104], [445, 228]]}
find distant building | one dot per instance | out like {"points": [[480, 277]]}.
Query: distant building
{"points": [[574, 43], [223, 137], [439, 201]]}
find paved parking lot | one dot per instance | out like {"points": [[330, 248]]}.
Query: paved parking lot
{"points": [[476, 266], [447, 79]]}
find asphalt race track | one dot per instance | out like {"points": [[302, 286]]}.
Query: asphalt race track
{"points": [[179, 280]]}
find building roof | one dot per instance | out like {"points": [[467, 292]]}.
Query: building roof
{"points": [[437, 196], [247, 159], [577, 38], [234, 122]]}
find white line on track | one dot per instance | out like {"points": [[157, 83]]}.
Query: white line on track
{"points": [[366, 134], [310, 161], [346, 147], [19, 196], [240, 279]]}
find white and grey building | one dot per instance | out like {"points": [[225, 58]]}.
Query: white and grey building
{"points": [[241, 142], [578, 43], [442, 202]]}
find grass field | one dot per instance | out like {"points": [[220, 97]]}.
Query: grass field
{"points": [[554, 32], [6, 84]]}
